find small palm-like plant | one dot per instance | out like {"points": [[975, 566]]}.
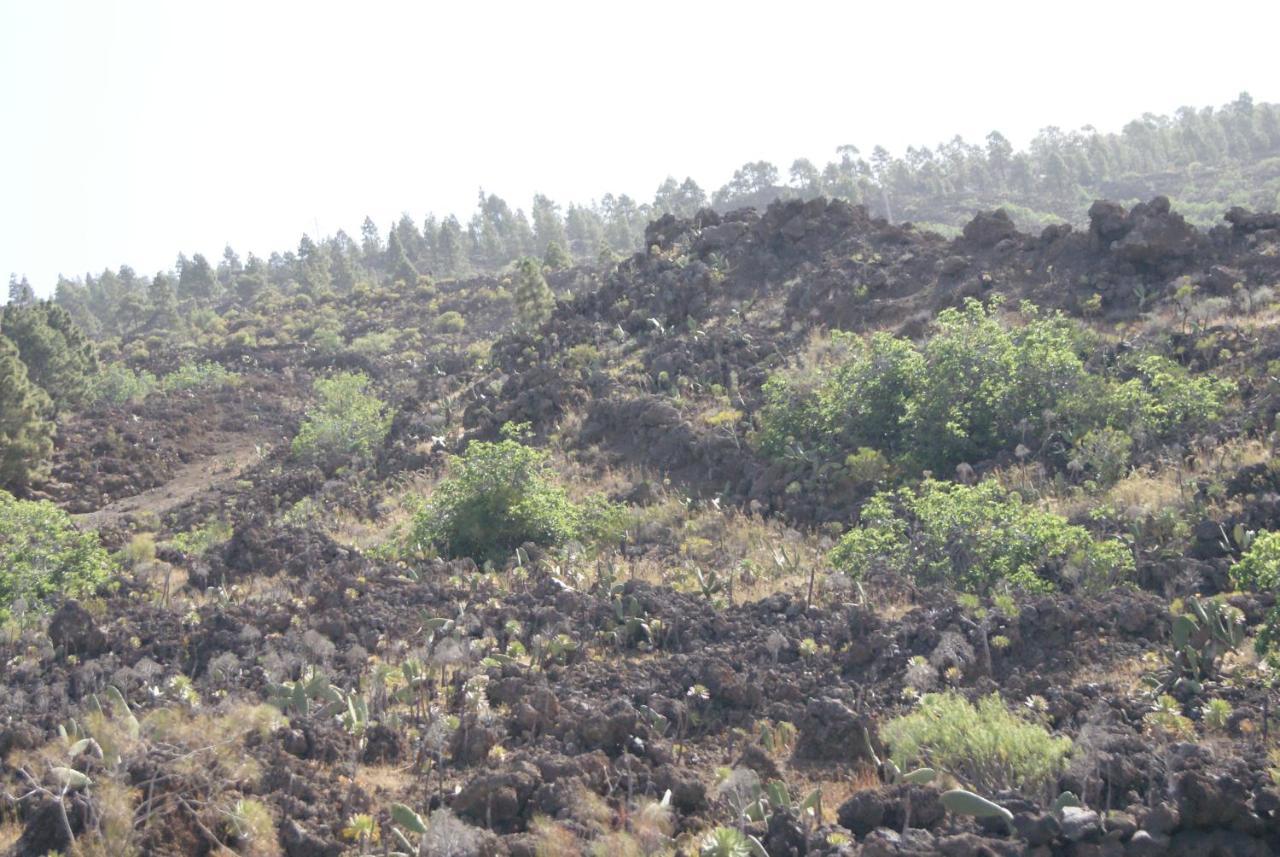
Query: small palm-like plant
{"points": [[730, 842]]}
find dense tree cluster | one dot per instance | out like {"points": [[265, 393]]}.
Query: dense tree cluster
{"points": [[1205, 159], [1202, 158], [46, 364]]}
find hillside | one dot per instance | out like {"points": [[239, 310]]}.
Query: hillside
{"points": [[587, 557]]}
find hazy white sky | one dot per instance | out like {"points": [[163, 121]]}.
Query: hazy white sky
{"points": [[130, 131]]}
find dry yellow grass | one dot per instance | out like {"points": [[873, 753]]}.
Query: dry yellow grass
{"points": [[10, 831], [386, 780]]}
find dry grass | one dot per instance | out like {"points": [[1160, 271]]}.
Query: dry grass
{"points": [[836, 791], [10, 832], [1147, 490], [386, 780], [754, 557]]}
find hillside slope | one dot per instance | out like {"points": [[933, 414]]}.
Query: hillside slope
{"points": [[283, 657]]}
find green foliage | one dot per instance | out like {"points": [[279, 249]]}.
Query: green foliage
{"points": [[862, 403], [979, 386], [499, 496], [199, 540], [1157, 399], [43, 555], [1104, 453], [533, 297], [1199, 639], [982, 380], [976, 538], [374, 344], [117, 384], [450, 322], [557, 258], [730, 842], [1217, 714], [59, 358], [26, 436], [985, 746], [1258, 570], [346, 420], [198, 376]]}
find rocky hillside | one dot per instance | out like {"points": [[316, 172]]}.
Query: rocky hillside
{"points": [[799, 533]]}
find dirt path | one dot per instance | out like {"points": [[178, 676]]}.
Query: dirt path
{"points": [[224, 465]]}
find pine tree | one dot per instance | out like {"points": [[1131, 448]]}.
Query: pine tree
{"points": [[533, 297], [252, 280], [162, 303], [370, 242], [26, 436], [548, 227], [313, 267], [59, 358], [196, 280], [20, 291], [229, 268], [342, 270], [557, 258], [398, 261], [450, 252]]}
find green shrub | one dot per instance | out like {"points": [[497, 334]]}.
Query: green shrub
{"points": [[347, 420], [987, 747], [976, 387], [499, 496], [451, 322], [1163, 398], [983, 380], [1258, 570], [1104, 453], [975, 539], [197, 376], [119, 385], [374, 344], [43, 555]]}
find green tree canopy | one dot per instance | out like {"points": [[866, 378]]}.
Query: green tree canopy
{"points": [[59, 358], [533, 297], [26, 436]]}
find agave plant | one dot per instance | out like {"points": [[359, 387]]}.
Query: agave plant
{"points": [[1200, 638], [730, 842]]}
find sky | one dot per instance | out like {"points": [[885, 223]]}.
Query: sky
{"points": [[132, 131]]}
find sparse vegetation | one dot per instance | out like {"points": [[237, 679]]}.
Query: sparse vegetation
{"points": [[796, 531], [985, 746]]}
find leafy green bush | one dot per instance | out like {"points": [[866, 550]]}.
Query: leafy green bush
{"points": [[118, 385], [860, 403], [374, 344], [197, 376], [987, 747], [499, 496], [42, 554], [347, 420], [451, 322], [977, 538], [1258, 570], [1159, 399], [977, 386]]}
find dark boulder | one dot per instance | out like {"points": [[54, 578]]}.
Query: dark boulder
{"points": [[74, 632]]}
